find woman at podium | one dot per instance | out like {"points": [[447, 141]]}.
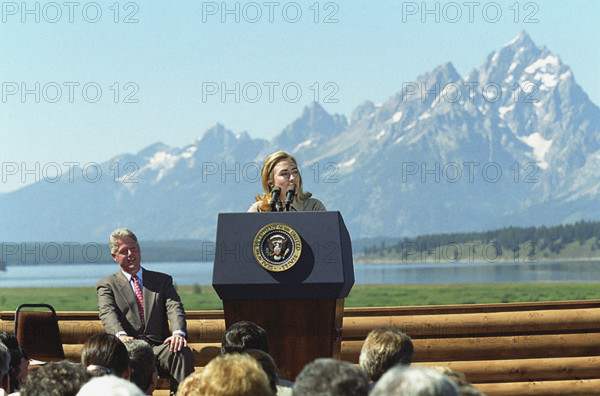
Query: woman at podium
{"points": [[282, 185]]}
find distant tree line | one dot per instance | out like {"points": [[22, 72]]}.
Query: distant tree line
{"points": [[32, 253], [510, 238]]}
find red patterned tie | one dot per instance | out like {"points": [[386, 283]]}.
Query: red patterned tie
{"points": [[140, 297]]}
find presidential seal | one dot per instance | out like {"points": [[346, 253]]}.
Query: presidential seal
{"points": [[277, 247]]}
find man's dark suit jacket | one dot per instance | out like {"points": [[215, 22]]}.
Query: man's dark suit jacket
{"points": [[119, 310]]}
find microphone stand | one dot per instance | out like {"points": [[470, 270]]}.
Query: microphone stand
{"points": [[291, 191], [275, 192]]}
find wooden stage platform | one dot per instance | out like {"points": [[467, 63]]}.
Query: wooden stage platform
{"points": [[546, 348]]}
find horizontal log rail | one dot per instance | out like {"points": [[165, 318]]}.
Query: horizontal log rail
{"points": [[545, 348], [518, 370], [478, 324], [545, 388], [520, 347]]}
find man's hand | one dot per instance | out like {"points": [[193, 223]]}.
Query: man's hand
{"points": [[125, 338], [177, 342]]}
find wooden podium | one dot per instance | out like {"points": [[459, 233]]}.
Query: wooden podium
{"points": [[301, 308]]}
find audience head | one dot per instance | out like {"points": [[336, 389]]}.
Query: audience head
{"points": [[142, 364], [268, 365], [62, 378], [385, 347], [413, 381], [105, 354], [244, 335], [229, 375], [463, 386], [109, 385], [19, 364], [330, 377], [4, 367]]}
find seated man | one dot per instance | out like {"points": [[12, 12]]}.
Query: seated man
{"points": [[136, 303], [385, 347]]}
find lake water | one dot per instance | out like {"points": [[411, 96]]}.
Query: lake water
{"points": [[189, 273]]}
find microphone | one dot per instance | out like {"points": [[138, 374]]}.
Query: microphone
{"points": [[289, 197], [275, 193]]}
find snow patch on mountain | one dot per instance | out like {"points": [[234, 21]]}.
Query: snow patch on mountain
{"points": [[348, 163], [305, 143], [505, 109], [189, 153], [540, 147], [541, 64], [163, 160]]}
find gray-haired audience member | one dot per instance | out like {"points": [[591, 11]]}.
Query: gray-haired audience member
{"points": [[109, 385], [413, 381], [142, 364], [62, 378], [330, 377], [383, 348], [4, 367]]}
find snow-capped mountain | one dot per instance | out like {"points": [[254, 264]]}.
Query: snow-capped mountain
{"points": [[514, 142]]}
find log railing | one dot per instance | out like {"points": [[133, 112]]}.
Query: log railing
{"points": [[503, 349]]}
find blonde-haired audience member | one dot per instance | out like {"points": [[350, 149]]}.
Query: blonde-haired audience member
{"points": [[229, 375], [383, 348]]}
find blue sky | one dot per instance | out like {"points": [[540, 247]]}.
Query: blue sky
{"points": [[174, 56]]}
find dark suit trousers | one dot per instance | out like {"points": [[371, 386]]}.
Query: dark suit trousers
{"points": [[179, 365]]}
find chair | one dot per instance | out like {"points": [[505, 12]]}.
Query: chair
{"points": [[38, 333]]}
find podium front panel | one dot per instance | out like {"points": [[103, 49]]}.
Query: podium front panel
{"points": [[324, 269]]}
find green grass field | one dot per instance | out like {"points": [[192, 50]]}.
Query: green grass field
{"points": [[204, 297]]}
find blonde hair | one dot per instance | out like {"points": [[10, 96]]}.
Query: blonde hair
{"points": [[229, 375], [267, 179], [383, 348]]}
